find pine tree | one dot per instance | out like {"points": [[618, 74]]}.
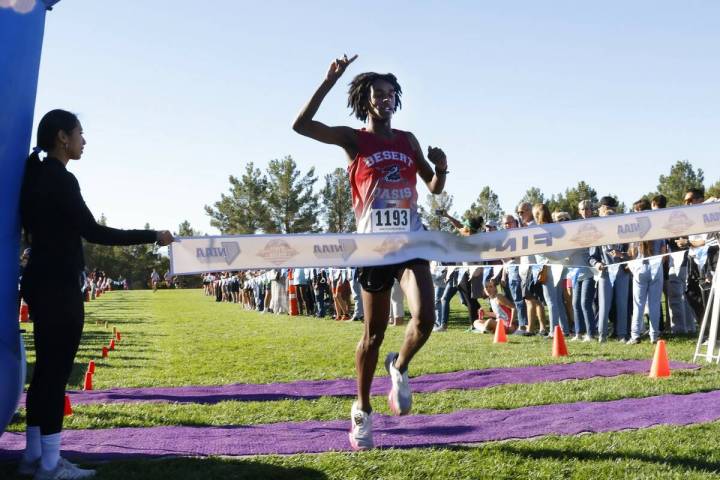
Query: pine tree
{"points": [[486, 206], [337, 202], [185, 230], [682, 177], [569, 201], [244, 209], [436, 203], [291, 201], [533, 195]]}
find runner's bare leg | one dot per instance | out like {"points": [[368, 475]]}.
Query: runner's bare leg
{"points": [[417, 284], [377, 309]]}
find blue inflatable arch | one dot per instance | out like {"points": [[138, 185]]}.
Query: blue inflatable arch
{"points": [[22, 24]]}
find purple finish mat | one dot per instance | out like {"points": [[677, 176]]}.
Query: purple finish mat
{"points": [[465, 426], [310, 389]]}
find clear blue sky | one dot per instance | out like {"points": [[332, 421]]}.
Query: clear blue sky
{"points": [[175, 96]]}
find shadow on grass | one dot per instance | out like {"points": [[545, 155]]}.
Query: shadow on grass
{"points": [[189, 468], [684, 462]]}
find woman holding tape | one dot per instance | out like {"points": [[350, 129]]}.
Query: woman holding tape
{"points": [[383, 164], [55, 220]]}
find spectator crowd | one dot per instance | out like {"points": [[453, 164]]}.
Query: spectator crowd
{"points": [[592, 294]]}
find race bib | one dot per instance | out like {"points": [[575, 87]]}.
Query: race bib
{"points": [[390, 220]]}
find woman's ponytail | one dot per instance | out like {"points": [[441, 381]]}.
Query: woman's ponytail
{"points": [[30, 178]]}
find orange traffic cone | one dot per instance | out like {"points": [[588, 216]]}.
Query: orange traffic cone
{"points": [[112, 345], [91, 367], [68, 408], [105, 352], [500, 335], [117, 335], [292, 296], [559, 348], [24, 312], [661, 364], [88, 381]]}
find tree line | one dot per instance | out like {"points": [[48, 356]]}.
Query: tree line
{"points": [[674, 185], [283, 200]]}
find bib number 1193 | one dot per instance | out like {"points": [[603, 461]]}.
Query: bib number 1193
{"points": [[391, 220]]}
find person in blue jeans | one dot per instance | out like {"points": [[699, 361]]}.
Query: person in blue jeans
{"points": [[551, 288], [614, 281], [438, 271], [514, 282], [583, 294], [451, 288], [647, 288], [583, 285]]}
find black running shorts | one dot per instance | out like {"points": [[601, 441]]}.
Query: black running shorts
{"points": [[382, 277]]}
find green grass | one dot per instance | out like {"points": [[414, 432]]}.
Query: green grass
{"points": [[174, 338]]}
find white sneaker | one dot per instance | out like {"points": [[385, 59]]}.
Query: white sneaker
{"points": [[361, 437], [575, 338], [587, 338], [400, 396], [64, 470]]}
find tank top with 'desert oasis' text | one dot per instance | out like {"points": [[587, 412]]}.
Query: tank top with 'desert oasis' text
{"points": [[383, 177]]}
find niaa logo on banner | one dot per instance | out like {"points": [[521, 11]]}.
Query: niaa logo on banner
{"points": [[227, 251], [631, 230], [342, 249], [712, 219]]}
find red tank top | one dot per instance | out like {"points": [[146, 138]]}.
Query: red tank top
{"points": [[383, 177]]}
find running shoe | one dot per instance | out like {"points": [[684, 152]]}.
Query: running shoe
{"points": [[361, 437], [63, 470], [400, 396]]}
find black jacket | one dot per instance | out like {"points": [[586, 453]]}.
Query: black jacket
{"points": [[56, 218]]}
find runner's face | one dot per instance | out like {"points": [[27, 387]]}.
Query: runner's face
{"points": [[382, 100]]}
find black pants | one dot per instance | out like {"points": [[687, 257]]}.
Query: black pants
{"points": [[472, 304], [58, 323]]}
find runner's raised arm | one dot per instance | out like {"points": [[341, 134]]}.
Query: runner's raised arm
{"points": [[306, 125]]}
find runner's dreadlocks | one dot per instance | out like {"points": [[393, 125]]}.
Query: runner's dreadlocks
{"points": [[359, 92]]}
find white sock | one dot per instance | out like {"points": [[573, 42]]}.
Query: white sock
{"points": [[32, 444], [50, 451]]}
